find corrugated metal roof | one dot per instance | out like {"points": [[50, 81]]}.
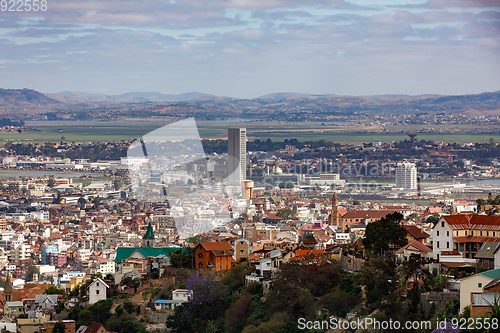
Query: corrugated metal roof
{"points": [[473, 222], [485, 299]]}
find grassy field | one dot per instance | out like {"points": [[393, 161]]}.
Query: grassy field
{"points": [[261, 130]]}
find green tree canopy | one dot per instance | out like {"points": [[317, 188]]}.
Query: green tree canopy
{"points": [[59, 327], [285, 213], [385, 234], [54, 290], [32, 270]]}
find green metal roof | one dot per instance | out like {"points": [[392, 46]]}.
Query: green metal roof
{"points": [[493, 274], [149, 232], [123, 253]]}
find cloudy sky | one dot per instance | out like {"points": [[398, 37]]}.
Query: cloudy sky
{"points": [[248, 48]]}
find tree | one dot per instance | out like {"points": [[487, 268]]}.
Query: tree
{"points": [[54, 290], [131, 326], [59, 327], [237, 315], [182, 259], [101, 311], [385, 234], [285, 213], [118, 310], [82, 202], [380, 277], [192, 239], [129, 307], [307, 304], [285, 184], [58, 199], [338, 303], [32, 270], [209, 302]]}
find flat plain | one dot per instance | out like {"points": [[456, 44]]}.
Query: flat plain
{"points": [[276, 131]]}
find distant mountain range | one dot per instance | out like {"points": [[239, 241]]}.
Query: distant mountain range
{"points": [[132, 97], [272, 106]]}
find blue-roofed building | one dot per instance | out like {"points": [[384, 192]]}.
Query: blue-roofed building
{"points": [[46, 249], [179, 296]]}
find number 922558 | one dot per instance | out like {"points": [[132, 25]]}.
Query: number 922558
{"points": [[23, 5]]}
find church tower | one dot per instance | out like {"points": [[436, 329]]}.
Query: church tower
{"points": [[334, 218], [149, 238], [7, 290]]}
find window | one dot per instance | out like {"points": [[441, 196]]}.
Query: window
{"points": [[438, 233], [97, 284], [437, 245], [97, 292], [479, 285], [242, 252], [442, 224], [447, 244], [200, 255], [448, 233], [200, 265]]}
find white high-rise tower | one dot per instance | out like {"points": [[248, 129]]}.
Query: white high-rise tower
{"points": [[237, 155], [406, 175]]}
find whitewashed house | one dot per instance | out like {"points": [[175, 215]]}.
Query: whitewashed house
{"points": [[97, 291]]}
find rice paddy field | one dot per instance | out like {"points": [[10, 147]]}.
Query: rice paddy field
{"points": [[276, 131]]}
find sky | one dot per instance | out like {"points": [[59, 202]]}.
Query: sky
{"points": [[249, 48]]}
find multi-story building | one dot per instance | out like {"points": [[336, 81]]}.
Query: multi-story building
{"points": [[82, 255], [57, 259], [106, 266], [464, 233], [237, 155], [406, 176], [217, 256], [46, 249], [21, 252]]}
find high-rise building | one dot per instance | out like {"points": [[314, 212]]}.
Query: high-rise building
{"points": [[237, 154], [406, 175]]}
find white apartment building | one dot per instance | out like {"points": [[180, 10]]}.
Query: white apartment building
{"points": [[106, 266], [21, 252], [406, 176], [83, 255]]}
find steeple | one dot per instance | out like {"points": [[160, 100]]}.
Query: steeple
{"points": [[334, 218], [149, 238], [7, 290]]}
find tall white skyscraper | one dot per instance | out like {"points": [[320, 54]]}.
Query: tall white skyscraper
{"points": [[237, 154], [406, 175]]}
